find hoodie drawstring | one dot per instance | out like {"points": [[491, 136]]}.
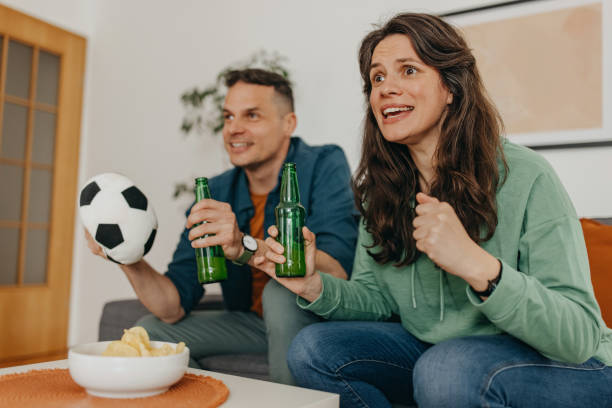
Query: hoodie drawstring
{"points": [[441, 296], [441, 285], [412, 270]]}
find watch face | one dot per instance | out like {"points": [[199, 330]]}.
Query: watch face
{"points": [[249, 243]]}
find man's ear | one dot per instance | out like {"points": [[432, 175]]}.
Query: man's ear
{"points": [[289, 123]]}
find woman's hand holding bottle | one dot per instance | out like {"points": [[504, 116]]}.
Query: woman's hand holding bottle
{"points": [[309, 287]]}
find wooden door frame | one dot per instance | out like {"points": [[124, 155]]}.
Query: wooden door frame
{"points": [[72, 49]]}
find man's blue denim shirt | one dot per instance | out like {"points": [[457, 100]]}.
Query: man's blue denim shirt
{"points": [[324, 179]]}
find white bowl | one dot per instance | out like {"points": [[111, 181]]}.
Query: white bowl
{"points": [[125, 377]]}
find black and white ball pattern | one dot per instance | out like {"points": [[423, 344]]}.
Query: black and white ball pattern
{"points": [[119, 217]]}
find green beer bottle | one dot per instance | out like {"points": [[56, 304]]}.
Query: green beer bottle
{"points": [[289, 221], [211, 260]]}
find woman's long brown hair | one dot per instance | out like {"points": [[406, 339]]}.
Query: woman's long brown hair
{"points": [[466, 173]]}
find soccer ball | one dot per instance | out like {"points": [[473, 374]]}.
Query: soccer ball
{"points": [[119, 217]]}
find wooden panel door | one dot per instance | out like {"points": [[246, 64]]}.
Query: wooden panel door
{"points": [[41, 88]]}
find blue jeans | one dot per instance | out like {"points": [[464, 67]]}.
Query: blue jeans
{"points": [[372, 363]]}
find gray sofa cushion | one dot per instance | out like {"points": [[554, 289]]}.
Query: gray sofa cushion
{"points": [[607, 221], [255, 365], [122, 314], [118, 315]]}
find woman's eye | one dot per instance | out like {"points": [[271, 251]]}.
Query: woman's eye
{"points": [[378, 78], [228, 117], [410, 70]]}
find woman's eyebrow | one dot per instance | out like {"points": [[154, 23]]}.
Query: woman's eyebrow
{"points": [[398, 60]]}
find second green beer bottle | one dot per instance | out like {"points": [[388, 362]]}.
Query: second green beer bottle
{"points": [[290, 216], [211, 260]]}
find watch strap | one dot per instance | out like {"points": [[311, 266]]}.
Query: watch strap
{"points": [[492, 284], [245, 256]]}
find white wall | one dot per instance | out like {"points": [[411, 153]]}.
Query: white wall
{"points": [[587, 177], [144, 54]]}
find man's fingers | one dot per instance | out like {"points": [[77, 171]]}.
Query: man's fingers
{"points": [[273, 231], [93, 246], [203, 229], [196, 217], [207, 242], [209, 203], [90, 240]]}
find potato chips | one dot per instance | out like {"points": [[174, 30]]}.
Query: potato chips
{"points": [[135, 343]]}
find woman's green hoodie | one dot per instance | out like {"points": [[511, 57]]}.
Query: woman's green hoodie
{"points": [[545, 296]]}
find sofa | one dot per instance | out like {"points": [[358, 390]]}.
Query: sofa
{"points": [[120, 314]]}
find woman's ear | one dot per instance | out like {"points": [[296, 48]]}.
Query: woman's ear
{"points": [[449, 98]]}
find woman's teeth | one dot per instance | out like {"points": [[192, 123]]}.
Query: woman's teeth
{"points": [[394, 110]]}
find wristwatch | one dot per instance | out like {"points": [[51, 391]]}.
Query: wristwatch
{"points": [[250, 247], [492, 284]]}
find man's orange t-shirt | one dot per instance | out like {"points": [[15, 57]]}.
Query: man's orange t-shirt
{"points": [[259, 278]]}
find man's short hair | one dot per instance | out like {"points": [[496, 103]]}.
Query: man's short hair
{"points": [[258, 76]]}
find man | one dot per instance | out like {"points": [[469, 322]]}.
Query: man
{"points": [[261, 314]]}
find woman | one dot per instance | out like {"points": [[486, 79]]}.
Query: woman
{"points": [[471, 240]]}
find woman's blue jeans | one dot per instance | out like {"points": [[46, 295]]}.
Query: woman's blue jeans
{"points": [[372, 363]]}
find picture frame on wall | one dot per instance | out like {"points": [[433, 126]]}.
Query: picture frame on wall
{"points": [[547, 65]]}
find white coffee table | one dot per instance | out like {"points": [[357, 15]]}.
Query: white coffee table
{"points": [[244, 392]]}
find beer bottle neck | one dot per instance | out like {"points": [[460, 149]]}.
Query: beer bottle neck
{"points": [[290, 192], [202, 190]]}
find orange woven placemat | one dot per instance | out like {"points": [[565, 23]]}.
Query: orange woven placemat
{"points": [[55, 388]]}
